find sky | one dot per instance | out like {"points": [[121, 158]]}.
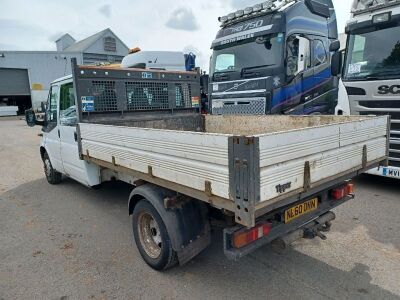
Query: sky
{"points": [[175, 25]]}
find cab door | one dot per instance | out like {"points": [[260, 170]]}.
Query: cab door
{"points": [[51, 131], [299, 73], [73, 166]]}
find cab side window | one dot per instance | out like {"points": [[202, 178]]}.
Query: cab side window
{"points": [[298, 55], [320, 55], [68, 115], [51, 114]]}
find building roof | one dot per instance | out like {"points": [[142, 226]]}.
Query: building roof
{"points": [[82, 45]]}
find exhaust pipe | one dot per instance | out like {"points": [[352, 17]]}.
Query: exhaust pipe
{"points": [[310, 230]]}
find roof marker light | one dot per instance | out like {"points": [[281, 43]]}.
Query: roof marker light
{"points": [[239, 13], [257, 7], [248, 10], [223, 19], [267, 4]]}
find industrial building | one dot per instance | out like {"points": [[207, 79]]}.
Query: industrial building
{"points": [[25, 76]]}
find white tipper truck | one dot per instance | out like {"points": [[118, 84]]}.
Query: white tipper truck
{"points": [[372, 69], [264, 178]]}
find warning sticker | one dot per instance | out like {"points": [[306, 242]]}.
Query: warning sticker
{"points": [[195, 101], [354, 68], [87, 103]]}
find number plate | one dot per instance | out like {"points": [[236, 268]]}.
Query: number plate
{"points": [[300, 209]]}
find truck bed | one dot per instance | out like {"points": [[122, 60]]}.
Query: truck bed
{"points": [[241, 164]]}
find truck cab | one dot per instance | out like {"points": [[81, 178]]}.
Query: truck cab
{"points": [[59, 145], [372, 69], [276, 58]]}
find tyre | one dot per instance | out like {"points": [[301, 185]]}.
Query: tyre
{"points": [[152, 238], [52, 176]]}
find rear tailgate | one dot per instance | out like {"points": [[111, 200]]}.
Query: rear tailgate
{"points": [[298, 160]]}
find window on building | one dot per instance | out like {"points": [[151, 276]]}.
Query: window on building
{"points": [[110, 44]]}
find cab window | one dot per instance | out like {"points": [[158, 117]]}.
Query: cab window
{"points": [[298, 55], [51, 114], [320, 56], [68, 115]]}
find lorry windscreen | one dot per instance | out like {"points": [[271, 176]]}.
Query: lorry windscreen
{"points": [[373, 55], [256, 52]]}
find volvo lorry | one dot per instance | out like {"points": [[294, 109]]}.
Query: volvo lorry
{"points": [[372, 69], [264, 179], [278, 57]]}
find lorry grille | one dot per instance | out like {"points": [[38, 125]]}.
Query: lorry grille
{"points": [[392, 108], [252, 106]]}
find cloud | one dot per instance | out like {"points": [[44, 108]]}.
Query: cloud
{"points": [[183, 19], [105, 10]]}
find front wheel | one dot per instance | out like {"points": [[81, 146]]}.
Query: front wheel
{"points": [[52, 176], [152, 238]]}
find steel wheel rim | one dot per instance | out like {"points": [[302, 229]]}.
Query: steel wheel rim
{"points": [[149, 234]]}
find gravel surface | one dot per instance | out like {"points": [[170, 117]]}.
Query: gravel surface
{"points": [[71, 242]]}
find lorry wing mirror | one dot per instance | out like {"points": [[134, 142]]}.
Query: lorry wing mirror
{"points": [[335, 46], [31, 120], [336, 64]]}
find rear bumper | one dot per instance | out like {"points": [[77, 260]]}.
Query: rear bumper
{"points": [[279, 229]]}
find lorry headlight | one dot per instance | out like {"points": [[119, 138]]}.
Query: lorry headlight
{"points": [[231, 16], [381, 18]]}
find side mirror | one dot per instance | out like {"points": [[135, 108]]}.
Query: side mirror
{"points": [[335, 46], [30, 118], [336, 64]]}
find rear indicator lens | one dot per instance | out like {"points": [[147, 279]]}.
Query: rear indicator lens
{"points": [[343, 191], [245, 237]]}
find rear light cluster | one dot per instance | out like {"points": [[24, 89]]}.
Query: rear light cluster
{"points": [[245, 237], [343, 191]]}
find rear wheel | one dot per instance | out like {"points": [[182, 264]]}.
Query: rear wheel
{"points": [[152, 238], [52, 176]]}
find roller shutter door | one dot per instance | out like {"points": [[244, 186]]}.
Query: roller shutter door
{"points": [[14, 82]]}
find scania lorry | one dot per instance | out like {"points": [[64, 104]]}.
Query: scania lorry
{"points": [[277, 57], [372, 69], [262, 178]]}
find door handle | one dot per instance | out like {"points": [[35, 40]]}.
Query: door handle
{"points": [[75, 137], [59, 133]]}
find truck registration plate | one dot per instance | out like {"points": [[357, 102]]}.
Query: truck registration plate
{"points": [[300, 209]]}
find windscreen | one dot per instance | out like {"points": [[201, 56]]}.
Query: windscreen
{"points": [[365, 4], [256, 52], [373, 55]]}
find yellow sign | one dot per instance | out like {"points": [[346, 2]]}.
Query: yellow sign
{"points": [[37, 86]]}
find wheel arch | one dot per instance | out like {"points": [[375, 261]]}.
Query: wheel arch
{"points": [[187, 225]]}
